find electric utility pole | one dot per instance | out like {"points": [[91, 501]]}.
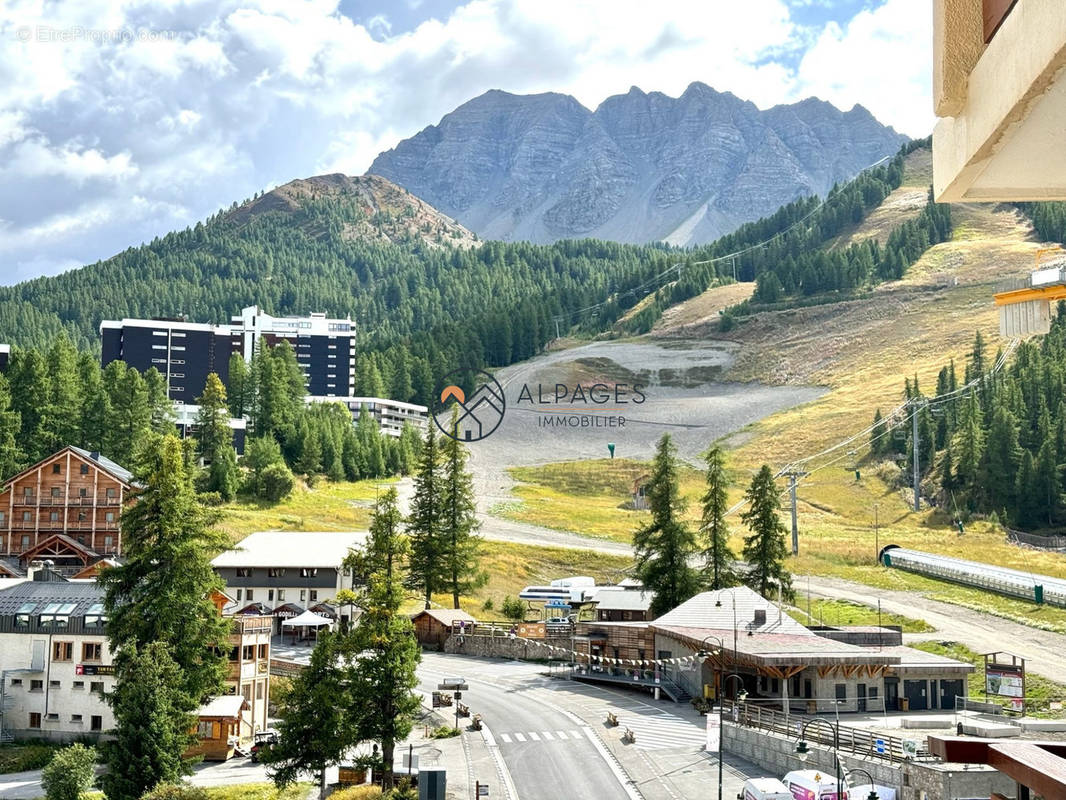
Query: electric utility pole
{"points": [[793, 477]]}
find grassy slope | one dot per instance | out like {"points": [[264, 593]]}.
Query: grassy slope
{"points": [[347, 506], [862, 351]]}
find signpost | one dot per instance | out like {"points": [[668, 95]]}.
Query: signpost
{"points": [[457, 686], [714, 732], [1003, 679]]}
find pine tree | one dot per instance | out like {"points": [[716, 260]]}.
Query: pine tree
{"points": [[214, 440], [382, 678], [152, 723], [718, 559], [877, 434], [428, 568], [310, 461], [29, 386], [239, 385], [764, 550], [318, 724], [11, 456], [1047, 486], [665, 546], [369, 436], [969, 446], [1002, 457], [63, 401], [160, 408], [459, 522], [132, 413], [96, 416], [161, 593]]}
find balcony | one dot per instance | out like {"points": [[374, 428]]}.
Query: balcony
{"points": [[26, 500]]}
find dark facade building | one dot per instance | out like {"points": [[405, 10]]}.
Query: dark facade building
{"points": [[184, 352], [187, 352], [5, 356]]}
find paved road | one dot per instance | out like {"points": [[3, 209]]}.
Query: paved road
{"points": [[546, 752]]}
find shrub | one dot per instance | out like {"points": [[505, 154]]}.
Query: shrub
{"points": [[25, 756], [403, 791], [176, 791], [513, 608], [69, 773], [444, 732], [357, 793], [277, 482], [726, 322]]}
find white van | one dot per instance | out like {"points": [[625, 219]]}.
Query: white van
{"points": [[811, 784], [764, 789]]}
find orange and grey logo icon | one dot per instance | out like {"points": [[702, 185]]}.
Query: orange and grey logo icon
{"points": [[470, 414]]}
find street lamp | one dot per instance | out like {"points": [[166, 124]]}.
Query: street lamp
{"points": [[803, 751], [718, 604], [869, 779], [720, 690]]}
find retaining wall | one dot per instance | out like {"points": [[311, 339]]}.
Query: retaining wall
{"points": [[506, 647]]}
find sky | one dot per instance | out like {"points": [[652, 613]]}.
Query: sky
{"points": [[122, 120]]}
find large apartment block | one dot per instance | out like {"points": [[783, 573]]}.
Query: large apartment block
{"points": [[187, 352], [66, 509]]}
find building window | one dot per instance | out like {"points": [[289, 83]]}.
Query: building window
{"points": [[259, 690], [79, 685], [308, 572], [25, 541], [26, 517], [22, 616], [109, 516], [82, 516], [36, 685], [248, 596], [314, 595], [83, 492], [841, 691], [53, 516], [240, 592], [248, 653], [303, 595], [94, 616], [76, 718], [56, 615], [27, 491], [91, 651], [111, 493], [57, 469], [281, 595], [262, 651], [96, 686], [62, 651], [56, 491], [96, 723], [270, 595], [108, 543], [244, 572], [276, 572], [84, 469], [35, 719], [53, 684], [3, 517], [16, 681], [205, 729]]}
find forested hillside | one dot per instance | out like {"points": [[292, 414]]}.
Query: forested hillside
{"points": [[996, 447]]}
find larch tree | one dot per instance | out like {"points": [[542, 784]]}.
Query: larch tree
{"points": [[11, 456], [427, 567], [153, 724], [162, 591], [63, 401], [214, 439], [96, 416], [459, 521], [131, 411], [718, 559], [764, 549], [665, 545], [386, 653]]}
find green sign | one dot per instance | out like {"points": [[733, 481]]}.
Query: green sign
{"points": [[610, 446]]}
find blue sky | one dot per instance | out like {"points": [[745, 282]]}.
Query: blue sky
{"points": [[121, 120]]}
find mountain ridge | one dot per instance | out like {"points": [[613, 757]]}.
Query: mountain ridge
{"points": [[641, 167]]}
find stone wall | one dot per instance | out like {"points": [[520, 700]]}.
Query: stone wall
{"points": [[506, 647]]}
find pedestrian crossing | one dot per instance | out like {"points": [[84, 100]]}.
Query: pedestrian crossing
{"points": [[539, 736], [660, 731]]}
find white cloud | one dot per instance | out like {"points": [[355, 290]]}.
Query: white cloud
{"points": [[881, 59], [157, 114]]}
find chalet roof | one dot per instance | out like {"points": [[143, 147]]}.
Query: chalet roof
{"points": [[58, 539], [326, 549], [623, 600], [780, 648], [116, 471], [42, 593], [914, 658], [227, 706], [446, 616], [716, 610]]}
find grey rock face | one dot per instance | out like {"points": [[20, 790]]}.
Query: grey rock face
{"points": [[642, 167]]}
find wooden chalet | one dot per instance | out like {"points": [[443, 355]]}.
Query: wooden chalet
{"points": [[66, 509]]}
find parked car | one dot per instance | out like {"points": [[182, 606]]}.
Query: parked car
{"points": [[764, 789], [264, 740], [811, 784]]}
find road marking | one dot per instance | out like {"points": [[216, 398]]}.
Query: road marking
{"points": [[575, 734], [506, 739], [534, 736], [547, 735], [519, 737], [501, 766], [561, 734], [614, 766]]}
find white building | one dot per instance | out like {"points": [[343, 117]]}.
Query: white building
{"points": [[54, 660], [390, 415], [287, 572]]}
